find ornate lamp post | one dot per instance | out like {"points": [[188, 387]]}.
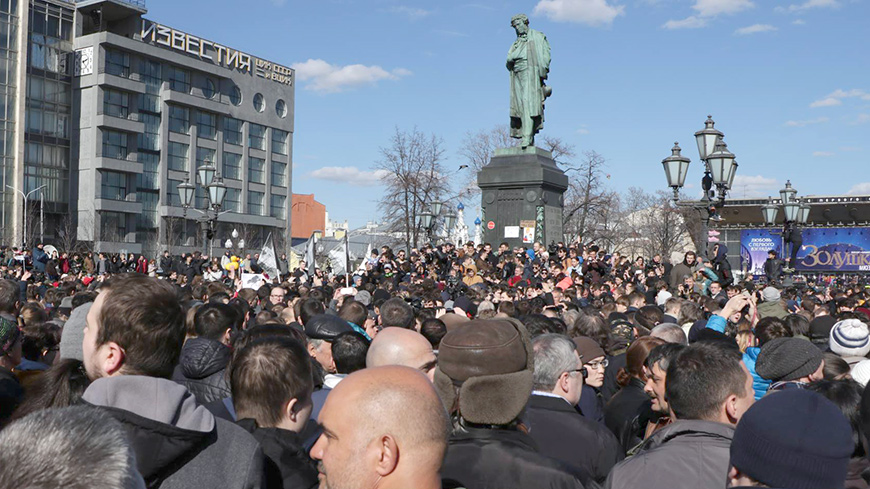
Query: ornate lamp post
{"points": [[795, 214], [429, 220], [215, 189], [720, 167]]}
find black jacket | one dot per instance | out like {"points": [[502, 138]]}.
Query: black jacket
{"points": [[480, 458], [11, 394], [623, 414], [287, 464], [201, 368], [562, 433]]}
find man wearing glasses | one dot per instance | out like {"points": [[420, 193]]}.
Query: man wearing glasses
{"points": [[277, 296], [560, 431]]}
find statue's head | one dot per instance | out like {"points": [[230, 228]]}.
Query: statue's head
{"points": [[520, 22]]}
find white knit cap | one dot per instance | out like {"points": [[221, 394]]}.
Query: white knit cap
{"points": [[663, 297], [850, 338], [861, 372]]}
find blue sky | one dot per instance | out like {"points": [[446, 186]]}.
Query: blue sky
{"points": [[787, 81]]}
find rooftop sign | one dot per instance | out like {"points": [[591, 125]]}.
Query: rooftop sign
{"points": [[205, 50]]}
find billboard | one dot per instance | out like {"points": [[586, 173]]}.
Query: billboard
{"points": [[823, 250]]}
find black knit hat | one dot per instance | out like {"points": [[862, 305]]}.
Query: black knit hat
{"points": [[785, 359], [793, 438]]}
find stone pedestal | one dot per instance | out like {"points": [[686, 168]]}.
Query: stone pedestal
{"points": [[521, 197]]}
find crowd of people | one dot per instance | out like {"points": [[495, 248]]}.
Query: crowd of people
{"points": [[561, 366]]}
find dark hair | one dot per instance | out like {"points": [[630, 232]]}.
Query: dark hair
{"points": [[83, 298], [433, 329], [771, 328], [349, 352], [835, 366], [211, 321], [846, 394], [265, 316], [507, 307], [689, 313], [310, 307], [396, 312], [268, 373], [60, 386], [594, 326], [10, 295], [663, 355], [38, 339], [354, 312], [538, 324], [635, 357], [144, 317], [218, 297], [702, 377], [649, 316], [797, 324]]}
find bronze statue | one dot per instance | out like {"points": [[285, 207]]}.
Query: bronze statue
{"points": [[528, 62]]}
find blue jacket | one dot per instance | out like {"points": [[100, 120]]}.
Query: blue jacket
{"points": [[759, 385]]}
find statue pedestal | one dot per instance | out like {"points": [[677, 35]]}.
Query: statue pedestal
{"points": [[521, 197]]}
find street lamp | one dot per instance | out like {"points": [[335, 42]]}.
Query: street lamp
{"points": [[26, 197], [795, 214], [720, 168], [216, 191], [429, 219]]}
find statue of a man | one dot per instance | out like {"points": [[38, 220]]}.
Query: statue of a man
{"points": [[528, 62]]}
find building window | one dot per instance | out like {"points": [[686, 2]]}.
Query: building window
{"points": [[255, 203], [179, 119], [148, 218], [203, 155], [117, 63], [178, 154], [278, 209], [279, 141], [259, 102], [208, 89], [257, 136], [115, 144], [179, 79], [150, 176], [236, 96], [233, 200], [113, 226], [232, 131], [279, 170], [206, 124], [150, 139], [115, 103], [256, 170], [232, 166], [114, 185], [281, 108], [172, 192]]}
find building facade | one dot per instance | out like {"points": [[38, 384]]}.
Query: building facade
{"points": [[120, 110]]}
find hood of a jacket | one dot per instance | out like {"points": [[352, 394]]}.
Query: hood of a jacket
{"points": [[165, 425], [723, 250], [201, 357]]}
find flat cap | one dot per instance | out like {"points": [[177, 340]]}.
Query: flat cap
{"points": [[326, 327]]}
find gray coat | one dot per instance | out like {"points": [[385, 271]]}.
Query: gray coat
{"points": [[178, 443], [688, 453]]}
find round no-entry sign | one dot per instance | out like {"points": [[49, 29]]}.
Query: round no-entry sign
{"points": [[490, 225]]}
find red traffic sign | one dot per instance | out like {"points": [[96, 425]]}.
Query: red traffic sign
{"points": [[490, 225]]}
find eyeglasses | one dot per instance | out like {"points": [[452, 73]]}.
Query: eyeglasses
{"points": [[581, 370], [596, 365]]}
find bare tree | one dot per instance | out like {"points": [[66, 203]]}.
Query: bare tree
{"points": [[413, 177], [477, 149], [652, 225], [586, 198]]}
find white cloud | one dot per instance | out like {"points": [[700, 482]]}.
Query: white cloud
{"points": [[582, 131], [836, 97], [350, 175], [823, 154], [754, 29], [809, 4], [860, 189], [799, 22], [751, 186], [411, 12], [691, 22], [862, 119], [324, 77], [589, 12], [820, 120], [708, 9], [712, 8]]}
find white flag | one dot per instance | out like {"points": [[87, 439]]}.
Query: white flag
{"points": [[267, 259], [338, 258], [365, 259], [310, 257]]}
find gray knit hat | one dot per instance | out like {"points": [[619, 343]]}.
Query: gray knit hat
{"points": [[74, 332], [785, 359]]}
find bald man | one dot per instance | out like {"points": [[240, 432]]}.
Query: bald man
{"points": [[384, 427], [399, 346]]}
